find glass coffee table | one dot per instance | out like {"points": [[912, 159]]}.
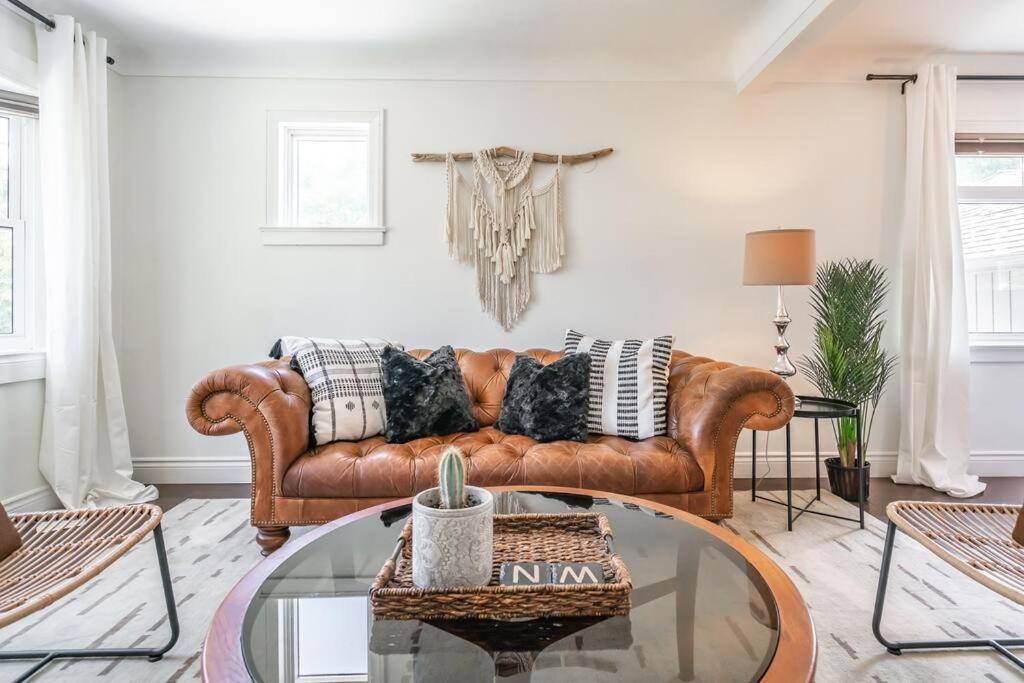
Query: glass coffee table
{"points": [[706, 606]]}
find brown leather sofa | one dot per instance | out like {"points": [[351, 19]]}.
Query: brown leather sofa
{"points": [[691, 468]]}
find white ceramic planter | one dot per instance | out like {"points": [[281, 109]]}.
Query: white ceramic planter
{"points": [[452, 548]]}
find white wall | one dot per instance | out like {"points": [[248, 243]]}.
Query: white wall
{"points": [[17, 34], [655, 231], [17, 51], [21, 420]]}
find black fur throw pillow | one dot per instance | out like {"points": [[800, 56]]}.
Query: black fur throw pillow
{"points": [[424, 397], [547, 403]]}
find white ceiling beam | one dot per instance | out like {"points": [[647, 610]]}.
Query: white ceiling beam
{"points": [[786, 27]]}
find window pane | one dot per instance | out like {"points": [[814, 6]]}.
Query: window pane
{"points": [[984, 171], [993, 238], [6, 280], [333, 183], [5, 168], [320, 651]]}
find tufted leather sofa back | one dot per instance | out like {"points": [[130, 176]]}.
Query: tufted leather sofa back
{"points": [[486, 373]]}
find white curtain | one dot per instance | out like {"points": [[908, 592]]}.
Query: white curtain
{"points": [[934, 360], [84, 451]]}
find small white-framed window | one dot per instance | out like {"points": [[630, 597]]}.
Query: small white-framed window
{"points": [[325, 178], [990, 183], [19, 272]]}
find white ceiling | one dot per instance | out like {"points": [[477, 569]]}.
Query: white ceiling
{"points": [[980, 36], [652, 40], [471, 39]]}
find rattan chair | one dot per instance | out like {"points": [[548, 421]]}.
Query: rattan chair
{"points": [[977, 540], [62, 550]]}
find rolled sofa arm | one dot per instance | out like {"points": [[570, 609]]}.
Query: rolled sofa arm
{"points": [[269, 403], [710, 403]]}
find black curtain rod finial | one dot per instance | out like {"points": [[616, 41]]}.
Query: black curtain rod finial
{"points": [[906, 78]]}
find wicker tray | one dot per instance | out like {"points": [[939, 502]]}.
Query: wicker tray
{"points": [[577, 537]]}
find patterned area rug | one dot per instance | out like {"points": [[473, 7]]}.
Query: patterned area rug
{"points": [[834, 564], [210, 547]]}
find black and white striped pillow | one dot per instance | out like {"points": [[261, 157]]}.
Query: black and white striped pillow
{"points": [[628, 383]]}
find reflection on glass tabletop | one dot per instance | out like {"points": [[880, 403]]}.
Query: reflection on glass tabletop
{"points": [[700, 611]]}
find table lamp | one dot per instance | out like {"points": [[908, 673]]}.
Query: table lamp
{"points": [[780, 257]]}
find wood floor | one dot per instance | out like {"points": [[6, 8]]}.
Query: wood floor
{"points": [[883, 491], [172, 494]]}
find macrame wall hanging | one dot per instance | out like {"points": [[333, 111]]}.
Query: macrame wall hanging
{"points": [[503, 224]]}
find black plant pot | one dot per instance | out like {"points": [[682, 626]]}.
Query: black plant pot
{"points": [[844, 480]]}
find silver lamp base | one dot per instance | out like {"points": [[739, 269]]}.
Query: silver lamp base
{"points": [[783, 367]]}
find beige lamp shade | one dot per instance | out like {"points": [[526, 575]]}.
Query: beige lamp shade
{"points": [[779, 257]]}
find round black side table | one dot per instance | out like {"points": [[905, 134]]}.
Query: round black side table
{"points": [[815, 408]]}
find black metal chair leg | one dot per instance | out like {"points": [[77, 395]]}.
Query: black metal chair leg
{"points": [[172, 609], [883, 584], [153, 654], [897, 648], [36, 668]]}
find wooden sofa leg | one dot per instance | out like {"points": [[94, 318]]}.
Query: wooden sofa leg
{"points": [[271, 538]]}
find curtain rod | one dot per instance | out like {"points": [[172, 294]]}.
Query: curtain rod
{"points": [[912, 78], [46, 21]]}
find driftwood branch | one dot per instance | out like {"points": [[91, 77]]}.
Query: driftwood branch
{"points": [[539, 157]]}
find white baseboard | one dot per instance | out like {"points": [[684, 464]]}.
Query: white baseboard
{"points": [[236, 470], [983, 464], [997, 463], [226, 470], [33, 500], [882, 465]]}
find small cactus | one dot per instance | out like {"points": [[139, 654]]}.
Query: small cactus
{"points": [[451, 479]]}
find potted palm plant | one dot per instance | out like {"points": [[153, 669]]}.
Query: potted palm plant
{"points": [[848, 361]]}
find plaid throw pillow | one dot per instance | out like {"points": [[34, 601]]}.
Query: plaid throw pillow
{"points": [[344, 378], [628, 383]]}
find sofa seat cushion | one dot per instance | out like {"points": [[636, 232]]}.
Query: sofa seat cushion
{"points": [[373, 468]]}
